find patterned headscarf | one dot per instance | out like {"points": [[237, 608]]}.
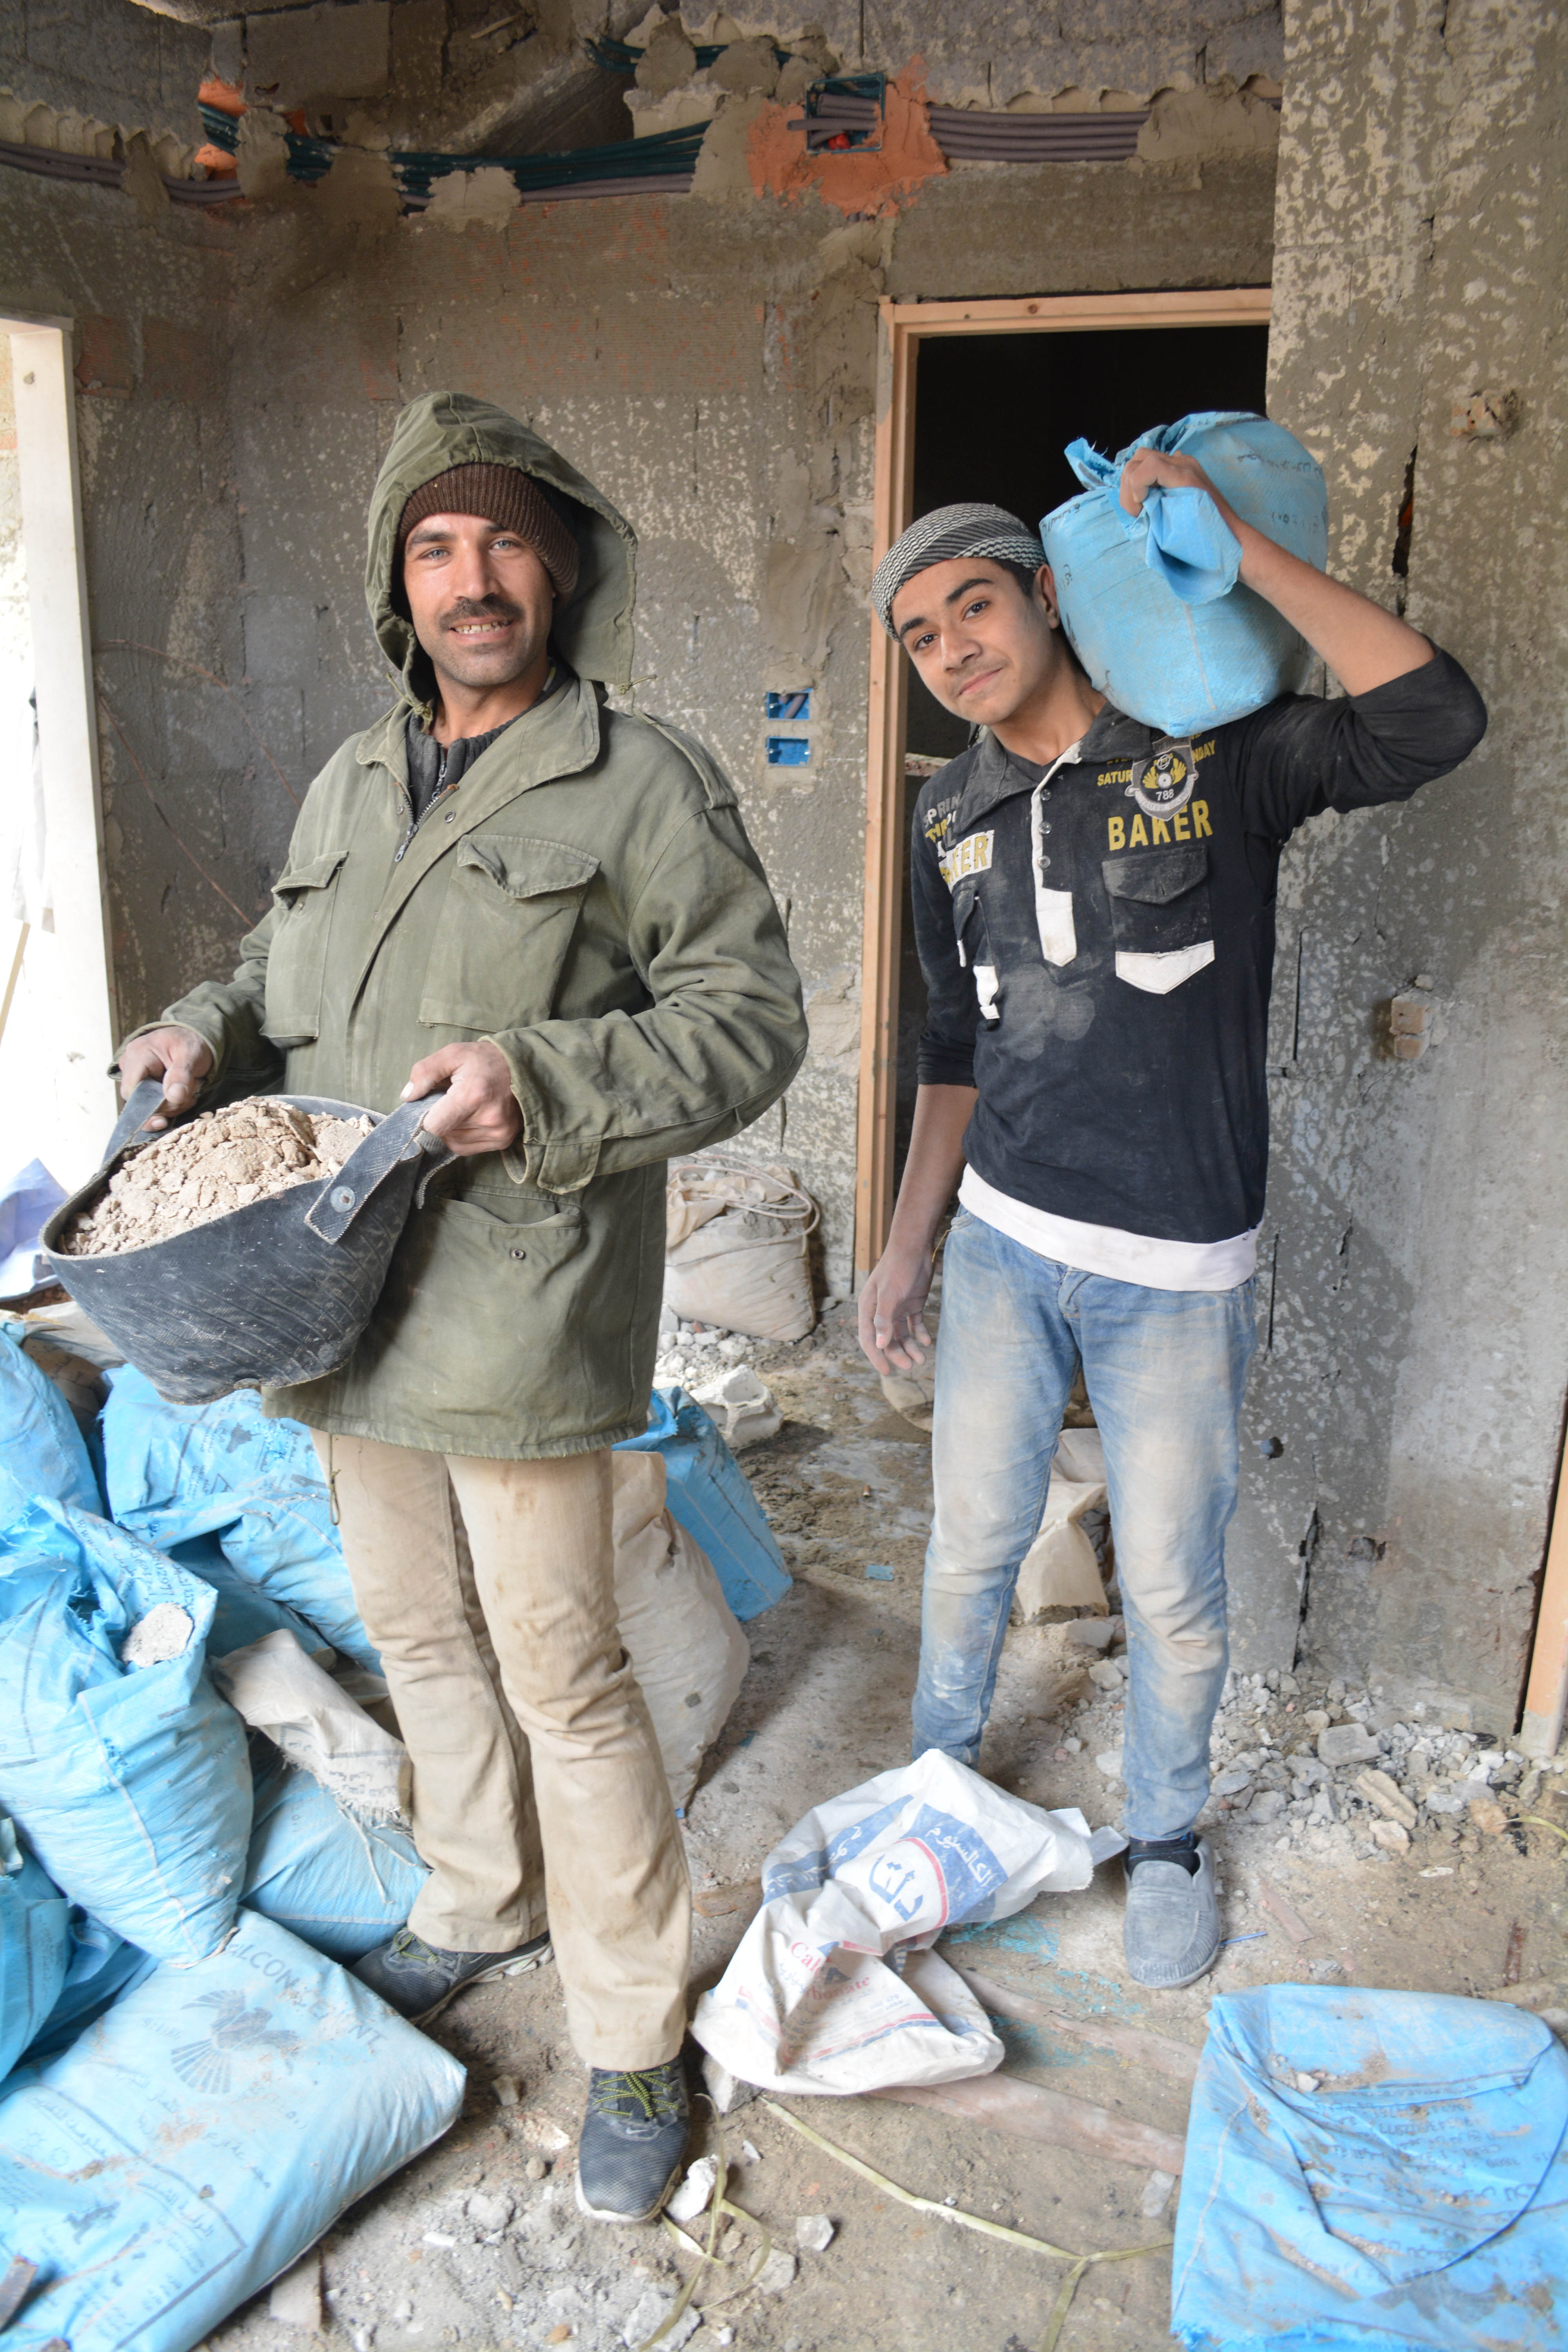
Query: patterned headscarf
{"points": [[947, 533]]}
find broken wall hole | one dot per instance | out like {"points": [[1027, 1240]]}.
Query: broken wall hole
{"points": [[1400, 561]]}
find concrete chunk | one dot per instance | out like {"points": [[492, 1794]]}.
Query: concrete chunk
{"points": [[1348, 1743], [1388, 1797]]}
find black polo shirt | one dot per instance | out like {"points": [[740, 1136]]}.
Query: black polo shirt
{"points": [[1097, 942]]}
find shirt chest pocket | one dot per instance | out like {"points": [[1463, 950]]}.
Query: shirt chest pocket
{"points": [[1160, 923], [974, 950], [297, 955], [511, 905]]}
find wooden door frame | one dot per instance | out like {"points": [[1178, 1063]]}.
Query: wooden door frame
{"points": [[903, 327]]}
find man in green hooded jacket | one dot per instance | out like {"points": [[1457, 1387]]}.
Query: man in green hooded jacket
{"points": [[543, 916]]}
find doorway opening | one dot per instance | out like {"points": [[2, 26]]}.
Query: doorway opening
{"points": [[979, 401], [56, 1008]]}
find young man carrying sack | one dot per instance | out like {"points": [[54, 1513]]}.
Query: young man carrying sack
{"points": [[1094, 910], [545, 917]]}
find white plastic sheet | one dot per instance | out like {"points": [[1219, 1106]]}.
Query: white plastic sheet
{"points": [[833, 1989]]}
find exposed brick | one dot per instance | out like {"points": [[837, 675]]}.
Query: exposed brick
{"points": [[104, 364]]}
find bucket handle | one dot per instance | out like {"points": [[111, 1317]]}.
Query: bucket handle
{"points": [[398, 1139], [139, 1105]]}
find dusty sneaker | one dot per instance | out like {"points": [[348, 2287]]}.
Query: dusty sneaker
{"points": [[633, 2142], [417, 1979], [1171, 1932]]}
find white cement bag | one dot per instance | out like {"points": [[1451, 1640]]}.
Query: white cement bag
{"points": [[1060, 1576], [735, 1249], [810, 2004], [686, 1647], [278, 1690]]}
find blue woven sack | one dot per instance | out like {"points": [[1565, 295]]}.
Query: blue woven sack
{"points": [[34, 1945], [707, 1492], [1151, 601], [130, 1782], [340, 1885], [195, 2141], [174, 1472], [42, 1451]]}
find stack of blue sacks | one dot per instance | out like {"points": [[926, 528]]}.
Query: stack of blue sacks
{"points": [[192, 2085]]}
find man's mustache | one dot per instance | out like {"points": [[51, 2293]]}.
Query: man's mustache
{"points": [[483, 608]]}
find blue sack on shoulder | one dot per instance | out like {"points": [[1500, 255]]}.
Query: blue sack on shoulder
{"points": [[1151, 601]]}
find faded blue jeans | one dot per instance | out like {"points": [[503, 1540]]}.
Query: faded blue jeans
{"points": [[1165, 1371]]}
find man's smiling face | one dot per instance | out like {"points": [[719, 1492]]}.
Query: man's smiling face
{"points": [[480, 598], [982, 645]]}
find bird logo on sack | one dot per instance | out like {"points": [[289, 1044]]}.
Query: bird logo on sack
{"points": [[1164, 781], [238, 2031]]}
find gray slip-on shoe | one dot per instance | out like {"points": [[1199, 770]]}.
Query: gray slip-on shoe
{"points": [[417, 1979], [1171, 1932]]}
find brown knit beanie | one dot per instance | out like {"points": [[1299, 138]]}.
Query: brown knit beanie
{"points": [[508, 496]]}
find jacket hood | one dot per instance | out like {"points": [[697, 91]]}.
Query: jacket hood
{"points": [[593, 631]]}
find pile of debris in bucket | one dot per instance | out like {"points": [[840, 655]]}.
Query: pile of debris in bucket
{"points": [[223, 1160], [203, 1820]]}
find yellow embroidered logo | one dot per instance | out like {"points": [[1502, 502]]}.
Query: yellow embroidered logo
{"points": [[1191, 824], [971, 855]]}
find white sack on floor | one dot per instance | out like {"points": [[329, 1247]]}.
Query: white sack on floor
{"points": [[735, 1249], [833, 1989], [1061, 1575], [278, 1690], [686, 1647]]}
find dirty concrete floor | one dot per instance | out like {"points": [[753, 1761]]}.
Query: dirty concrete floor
{"points": [[464, 2247]]}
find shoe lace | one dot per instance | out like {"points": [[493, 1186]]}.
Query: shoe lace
{"points": [[653, 2095], [407, 1946]]}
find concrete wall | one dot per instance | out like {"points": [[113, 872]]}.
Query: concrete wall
{"points": [[1416, 1222], [77, 75], [150, 306]]}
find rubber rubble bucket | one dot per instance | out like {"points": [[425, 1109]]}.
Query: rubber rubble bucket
{"points": [[272, 1294]]}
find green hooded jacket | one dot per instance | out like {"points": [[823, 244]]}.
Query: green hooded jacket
{"points": [[587, 898]]}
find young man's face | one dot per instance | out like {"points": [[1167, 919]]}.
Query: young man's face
{"points": [[480, 598], [983, 646]]}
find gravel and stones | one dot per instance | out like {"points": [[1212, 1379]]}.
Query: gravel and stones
{"points": [[220, 1163]]}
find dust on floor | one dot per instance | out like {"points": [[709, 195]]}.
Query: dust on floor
{"points": [[464, 2247]]}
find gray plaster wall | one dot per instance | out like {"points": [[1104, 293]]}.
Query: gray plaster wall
{"points": [[1415, 1270], [105, 61], [150, 306]]}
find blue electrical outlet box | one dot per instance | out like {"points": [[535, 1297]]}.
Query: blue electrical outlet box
{"points": [[788, 706], [788, 751]]}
